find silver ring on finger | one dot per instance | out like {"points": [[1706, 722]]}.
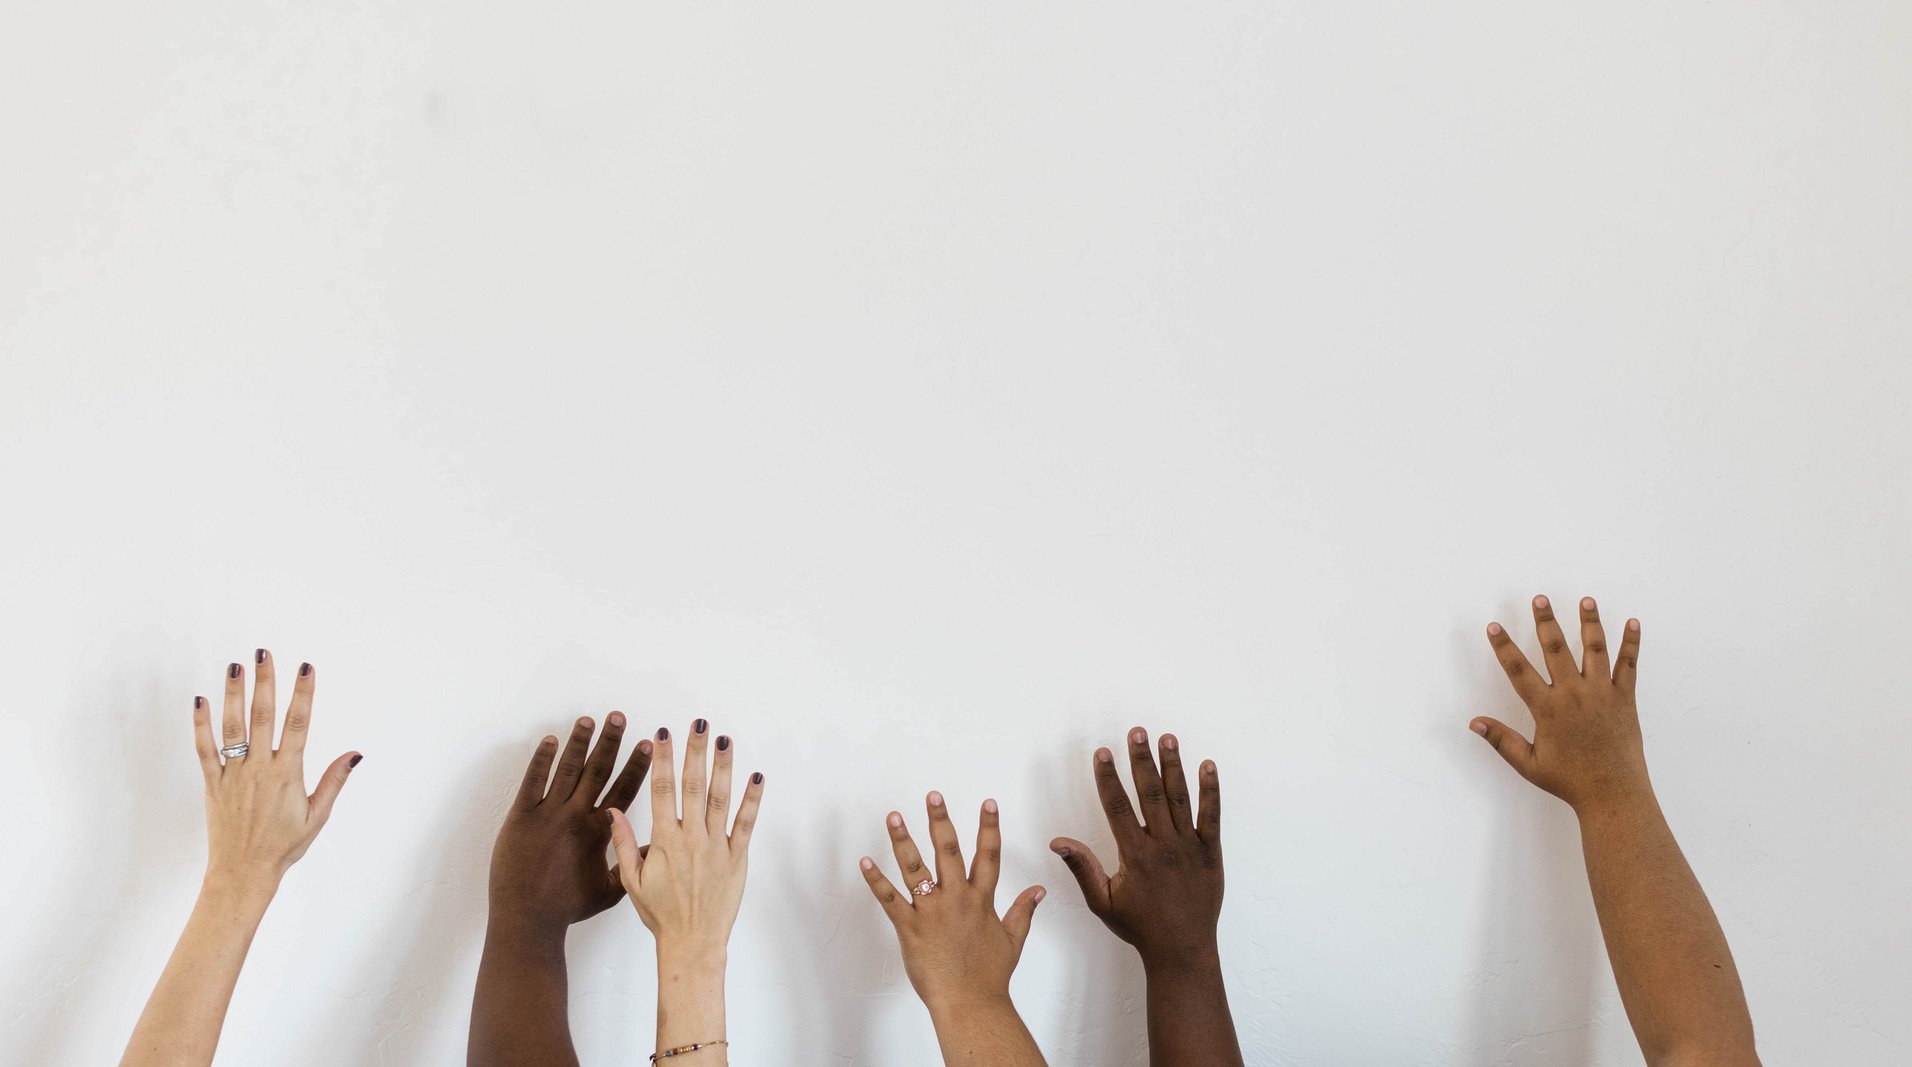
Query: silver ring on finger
{"points": [[237, 751]]}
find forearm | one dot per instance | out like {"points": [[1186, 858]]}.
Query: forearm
{"points": [[1669, 955], [986, 1032], [520, 1012], [690, 1004], [183, 1018], [1189, 1023]]}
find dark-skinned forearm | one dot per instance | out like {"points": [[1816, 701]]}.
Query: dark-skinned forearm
{"points": [[1189, 1023], [1669, 955], [521, 1012]]}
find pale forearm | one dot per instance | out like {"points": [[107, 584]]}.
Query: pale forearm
{"points": [[988, 1033], [1669, 955], [520, 1012], [182, 1020], [1189, 1022], [690, 1004]]}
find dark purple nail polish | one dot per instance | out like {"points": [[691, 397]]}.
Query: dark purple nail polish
{"points": [[756, 779], [355, 760], [723, 744], [232, 671], [663, 733], [198, 702], [700, 726], [259, 655], [305, 669]]}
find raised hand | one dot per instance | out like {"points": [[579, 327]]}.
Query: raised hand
{"points": [[548, 871], [548, 867], [1670, 958], [259, 822], [1587, 747], [1166, 896], [958, 953], [687, 886]]}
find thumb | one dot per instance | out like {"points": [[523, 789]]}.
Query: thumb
{"points": [[1016, 920], [630, 858], [319, 804], [1087, 870], [1507, 741]]}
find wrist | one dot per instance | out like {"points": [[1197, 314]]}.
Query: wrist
{"points": [[508, 929], [691, 958], [1192, 958], [244, 892], [968, 1005], [1616, 804]]}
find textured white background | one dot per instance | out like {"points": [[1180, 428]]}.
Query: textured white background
{"points": [[925, 397]]}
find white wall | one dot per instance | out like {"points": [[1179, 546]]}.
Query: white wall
{"points": [[925, 397]]}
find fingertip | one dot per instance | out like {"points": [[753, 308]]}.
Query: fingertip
{"points": [[1540, 603], [354, 761], [990, 806], [644, 746], [1495, 629], [1633, 626], [615, 718], [549, 739], [1103, 755], [895, 820], [935, 799], [866, 863], [1060, 847], [1168, 742], [1479, 726], [1208, 767], [1586, 603], [1138, 736], [1036, 897]]}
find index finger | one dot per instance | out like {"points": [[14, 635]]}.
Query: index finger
{"points": [[1525, 679], [298, 714], [1115, 799]]}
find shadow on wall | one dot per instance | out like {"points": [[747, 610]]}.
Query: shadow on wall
{"points": [[148, 757], [420, 966], [1102, 1017], [1533, 985]]}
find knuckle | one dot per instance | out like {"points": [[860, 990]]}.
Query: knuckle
{"points": [[1179, 798], [720, 801], [744, 825], [661, 787], [1554, 644], [1598, 648]]}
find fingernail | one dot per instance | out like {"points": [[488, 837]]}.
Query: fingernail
{"points": [[1479, 728], [1586, 603], [1208, 767], [1540, 602], [895, 820], [663, 733], [304, 669], [1103, 755], [232, 671], [1061, 850], [610, 818], [989, 806], [585, 721], [259, 655], [1139, 736], [1168, 742], [198, 702], [1040, 893], [615, 718], [935, 799], [644, 746], [723, 743], [1493, 629], [866, 863], [355, 759], [756, 779], [699, 726], [1634, 625]]}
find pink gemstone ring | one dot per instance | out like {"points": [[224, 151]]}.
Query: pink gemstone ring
{"points": [[924, 888]]}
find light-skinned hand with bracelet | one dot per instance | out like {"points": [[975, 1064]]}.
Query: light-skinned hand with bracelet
{"points": [[958, 953], [259, 822], [687, 886]]}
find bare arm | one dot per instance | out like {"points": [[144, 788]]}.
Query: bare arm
{"points": [[1166, 899], [259, 822], [957, 951], [547, 872], [1669, 955], [687, 886]]}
